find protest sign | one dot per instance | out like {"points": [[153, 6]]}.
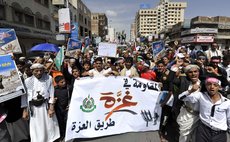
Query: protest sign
{"points": [[98, 108], [10, 83], [74, 31], [107, 49], [9, 42], [64, 20], [158, 49], [74, 44], [72, 47]]}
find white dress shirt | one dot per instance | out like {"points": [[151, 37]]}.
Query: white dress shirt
{"points": [[216, 116], [96, 73]]}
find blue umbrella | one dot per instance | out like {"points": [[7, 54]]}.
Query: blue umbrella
{"points": [[47, 47]]}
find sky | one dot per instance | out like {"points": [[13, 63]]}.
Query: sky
{"points": [[121, 13]]}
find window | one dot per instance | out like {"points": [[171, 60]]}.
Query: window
{"points": [[38, 1], [46, 3], [2, 12], [39, 23], [29, 20], [71, 15], [56, 26], [46, 25], [81, 31], [85, 21], [75, 18], [18, 16]]}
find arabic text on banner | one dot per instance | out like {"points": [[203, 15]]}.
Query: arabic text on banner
{"points": [[113, 105]]}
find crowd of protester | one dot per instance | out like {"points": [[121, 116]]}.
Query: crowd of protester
{"points": [[181, 71]]}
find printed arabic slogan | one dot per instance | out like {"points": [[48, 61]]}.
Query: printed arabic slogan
{"points": [[10, 83], [104, 106]]}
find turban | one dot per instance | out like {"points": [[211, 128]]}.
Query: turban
{"points": [[37, 66], [22, 58], [213, 80], [189, 67], [72, 60]]}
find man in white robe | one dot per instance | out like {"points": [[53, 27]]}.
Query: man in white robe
{"points": [[40, 101], [189, 114]]}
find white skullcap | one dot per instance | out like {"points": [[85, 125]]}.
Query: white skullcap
{"points": [[90, 51], [37, 66], [72, 60], [180, 55], [22, 58], [46, 56], [174, 68], [189, 67]]}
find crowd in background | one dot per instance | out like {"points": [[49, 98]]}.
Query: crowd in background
{"points": [[176, 70]]}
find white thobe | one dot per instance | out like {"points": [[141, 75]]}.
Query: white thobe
{"points": [[188, 121], [42, 127]]}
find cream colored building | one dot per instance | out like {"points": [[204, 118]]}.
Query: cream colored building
{"points": [[36, 21], [133, 32], [152, 21]]}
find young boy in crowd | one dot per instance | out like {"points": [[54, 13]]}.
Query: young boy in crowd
{"points": [[86, 68], [62, 94]]}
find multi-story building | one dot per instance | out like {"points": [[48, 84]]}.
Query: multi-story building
{"points": [[36, 21], [133, 32], [82, 15], [220, 23], [99, 24], [152, 21], [202, 31]]}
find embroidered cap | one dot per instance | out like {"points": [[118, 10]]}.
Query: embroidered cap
{"points": [[37, 66], [189, 67]]}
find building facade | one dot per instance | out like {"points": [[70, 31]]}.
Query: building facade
{"points": [[219, 23], [152, 21], [202, 31], [99, 25], [133, 32], [36, 21], [80, 13]]}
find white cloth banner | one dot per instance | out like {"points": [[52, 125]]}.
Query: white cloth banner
{"points": [[107, 49], [104, 106]]}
